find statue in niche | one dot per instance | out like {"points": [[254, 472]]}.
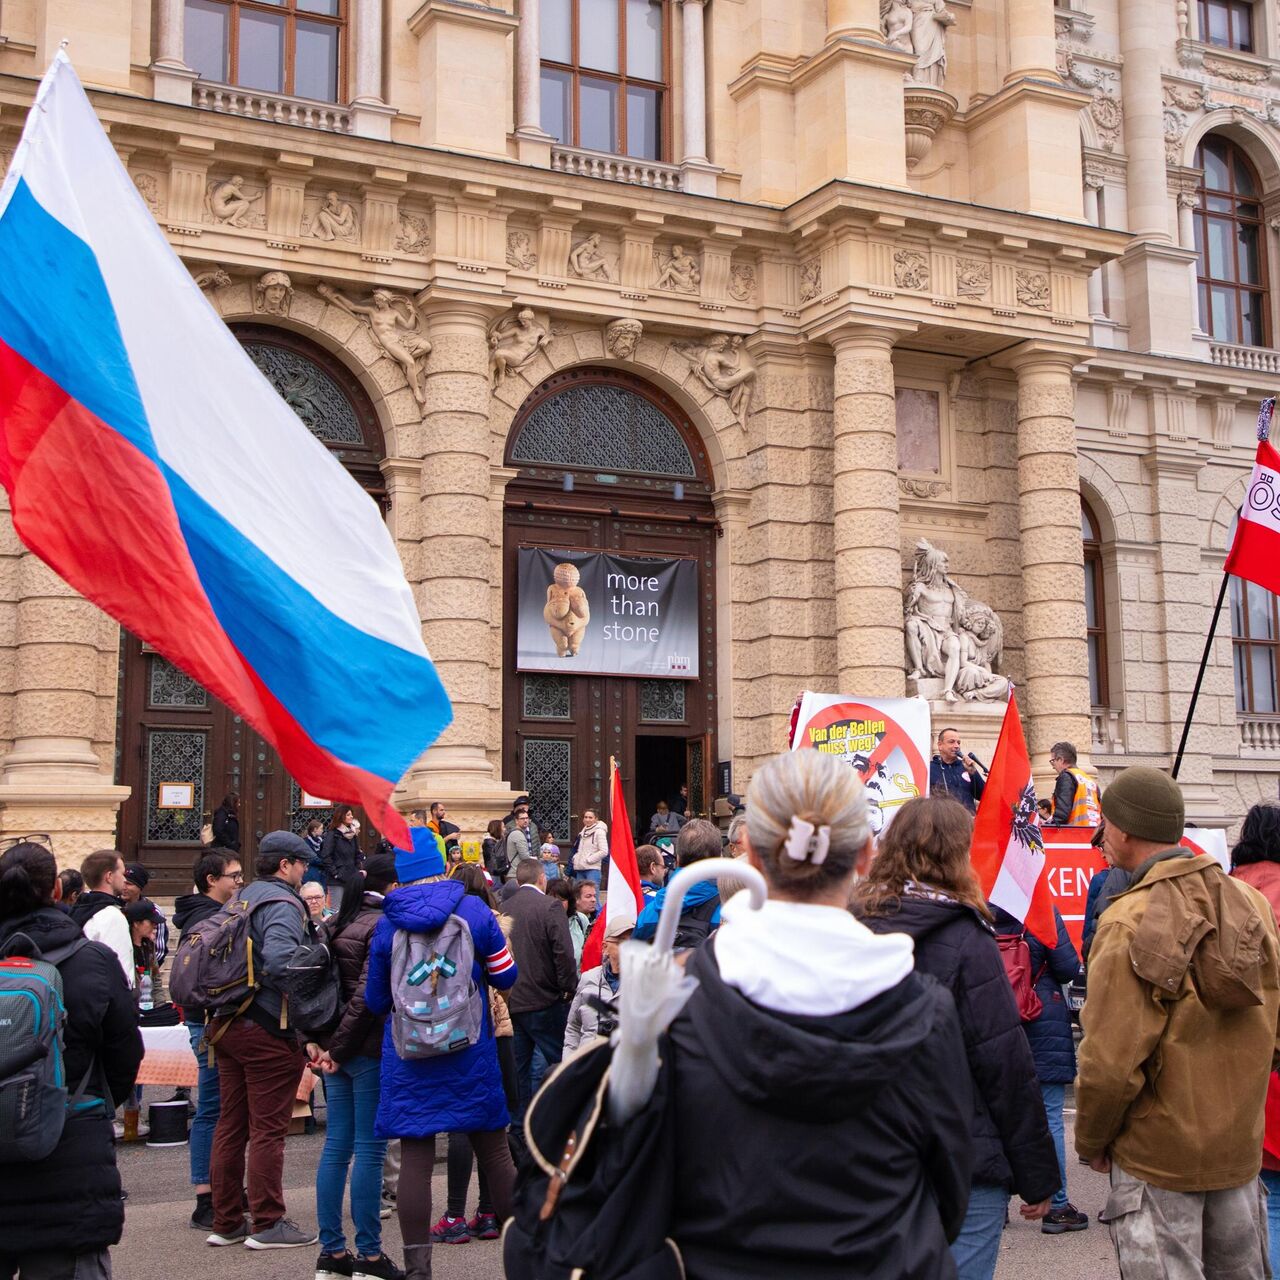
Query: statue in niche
{"points": [[396, 327], [895, 24], [724, 367], [588, 263], [273, 293], [622, 337], [929, 22], [949, 636], [678, 273], [335, 220], [514, 340], [229, 204]]}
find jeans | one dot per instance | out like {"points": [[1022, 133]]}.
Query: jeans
{"points": [[258, 1075], [542, 1029], [56, 1264], [335, 897], [977, 1247], [208, 1106], [352, 1093], [592, 874], [1054, 1096], [1271, 1180]]}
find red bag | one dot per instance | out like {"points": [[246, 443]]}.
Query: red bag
{"points": [[1015, 955]]}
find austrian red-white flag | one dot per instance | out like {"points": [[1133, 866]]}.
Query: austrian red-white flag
{"points": [[623, 893], [1255, 550], [1008, 849]]}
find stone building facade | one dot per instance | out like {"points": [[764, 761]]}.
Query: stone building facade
{"points": [[847, 274]]}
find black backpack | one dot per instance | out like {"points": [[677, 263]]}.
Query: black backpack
{"points": [[313, 992], [695, 925], [605, 1211]]}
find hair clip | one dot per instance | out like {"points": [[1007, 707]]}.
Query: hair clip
{"points": [[807, 843]]}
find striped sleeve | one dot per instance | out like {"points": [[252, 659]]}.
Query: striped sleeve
{"points": [[499, 963]]}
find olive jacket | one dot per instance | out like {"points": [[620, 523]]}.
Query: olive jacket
{"points": [[1180, 1027]]}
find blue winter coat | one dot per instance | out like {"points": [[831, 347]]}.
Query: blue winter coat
{"points": [[463, 1090], [647, 924], [1052, 1045]]}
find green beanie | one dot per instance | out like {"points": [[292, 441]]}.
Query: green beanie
{"points": [[1146, 804]]}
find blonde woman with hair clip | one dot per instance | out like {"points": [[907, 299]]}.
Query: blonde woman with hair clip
{"points": [[812, 1134]]}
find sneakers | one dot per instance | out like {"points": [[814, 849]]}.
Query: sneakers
{"points": [[387, 1207], [202, 1218], [281, 1235], [379, 1268], [484, 1226], [327, 1266], [1068, 1218], [451, 1231], [237, 1236]]}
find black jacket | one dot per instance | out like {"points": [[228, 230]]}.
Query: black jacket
{"points": [[339, 856], [359, 1032], [819, 1147], [1053, 1046], [226, 829], [1064, 797], [956, 780], [543, 951], [71, 1199], [189, 909], [1011, 1139]]}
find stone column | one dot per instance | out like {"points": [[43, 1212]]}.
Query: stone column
{"points": [[171, 77], [1091, 216], [1055, 698], [1032, 46], [52, 780], [870, 654], [698, 174], [370, 115], [1142, 46], [533, 144], [452, 577], [857, 18]]}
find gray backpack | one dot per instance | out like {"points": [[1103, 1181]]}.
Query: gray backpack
{"points": [[436, 1006], [34, 1098]]}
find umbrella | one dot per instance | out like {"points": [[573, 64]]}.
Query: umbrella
{"points": [[656, 988]]}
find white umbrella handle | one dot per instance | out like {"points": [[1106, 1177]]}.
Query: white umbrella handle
{"points": [[696, 873]]}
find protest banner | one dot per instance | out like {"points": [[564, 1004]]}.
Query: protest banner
{"points": [[885, 739]]}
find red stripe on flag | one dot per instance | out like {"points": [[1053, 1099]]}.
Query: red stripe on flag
{"points": [[1255, 549], [623, 893]]}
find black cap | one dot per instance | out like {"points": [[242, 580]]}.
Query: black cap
{"points": [[135, 873], [285, 844], [143, 909]]}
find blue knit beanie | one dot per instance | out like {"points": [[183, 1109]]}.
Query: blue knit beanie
{"points": [[425, 859]]}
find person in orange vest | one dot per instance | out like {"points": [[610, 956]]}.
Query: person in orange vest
{"points": [[1077, 801]]}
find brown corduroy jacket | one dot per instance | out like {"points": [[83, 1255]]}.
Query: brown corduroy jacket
{"points": [[1180, 1028]]}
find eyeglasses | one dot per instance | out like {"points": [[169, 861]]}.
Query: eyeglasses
{"points": [[36, 837], [237, 876]]}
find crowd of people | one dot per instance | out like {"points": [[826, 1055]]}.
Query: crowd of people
{"points": [[870, 1066]]}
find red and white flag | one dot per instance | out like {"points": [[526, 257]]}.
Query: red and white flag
{"points": [[623, 893], [1255, 550], [1008, 849]]}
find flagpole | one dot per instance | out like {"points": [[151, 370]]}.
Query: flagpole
{"points": [[1204, 662]]}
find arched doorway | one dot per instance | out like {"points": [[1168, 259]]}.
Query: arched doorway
{"points": [[607, 462], [169, 728]]}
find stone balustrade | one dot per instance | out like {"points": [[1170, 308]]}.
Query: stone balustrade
{"points": [[1259, 735], [596, 164], [1259, 359], [277, 107]]}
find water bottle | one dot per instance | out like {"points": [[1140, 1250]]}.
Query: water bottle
{"points": [[145, 1003]]}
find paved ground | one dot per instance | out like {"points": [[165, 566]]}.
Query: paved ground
{"points": [[158, 1243]]}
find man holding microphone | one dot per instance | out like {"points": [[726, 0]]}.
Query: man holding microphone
{"points": [[955, 773]]}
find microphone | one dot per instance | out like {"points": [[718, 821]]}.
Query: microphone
{"points": [[974, 760]]}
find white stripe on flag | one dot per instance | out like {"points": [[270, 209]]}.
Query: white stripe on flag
{"points": [[1019, 872]]}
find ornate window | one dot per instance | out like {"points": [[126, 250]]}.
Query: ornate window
{"points": [[596, 426], [662, 700], [1255, 635], [1228, 23], [1229, 240], [546, 697], [171, 687], [605, 75], [547, 779], [293, 47], [175, 755], [1094, 607]]}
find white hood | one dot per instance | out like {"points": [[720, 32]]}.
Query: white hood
{"points": [[795, 957]]}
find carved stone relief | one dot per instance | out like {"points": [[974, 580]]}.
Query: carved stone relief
{"points": [[677, 271], [1108, 116], [810, 279], [723, 365], [211, 278], [622, 337], [149, 189], [520, 251], [588, 261], [954, 643], [230, 203], [397, 328], [1033, 289], [1240, 72], [910, 269], [919, 27], [913, 488], [333, 219], [973, 277], [514, 340], [273, 294], [742, 282], [412, 233]]}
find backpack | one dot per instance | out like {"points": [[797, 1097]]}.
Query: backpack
{"points": [[312, 989], [695, 925], [595, 1199], [213, 968], [1015, 955], [33, 1090], [437, 1007]]}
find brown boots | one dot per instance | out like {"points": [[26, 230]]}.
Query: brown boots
{"points": [[417, 1262]]}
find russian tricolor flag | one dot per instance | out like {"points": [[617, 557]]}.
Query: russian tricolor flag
{"points": [[152, 466]]}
